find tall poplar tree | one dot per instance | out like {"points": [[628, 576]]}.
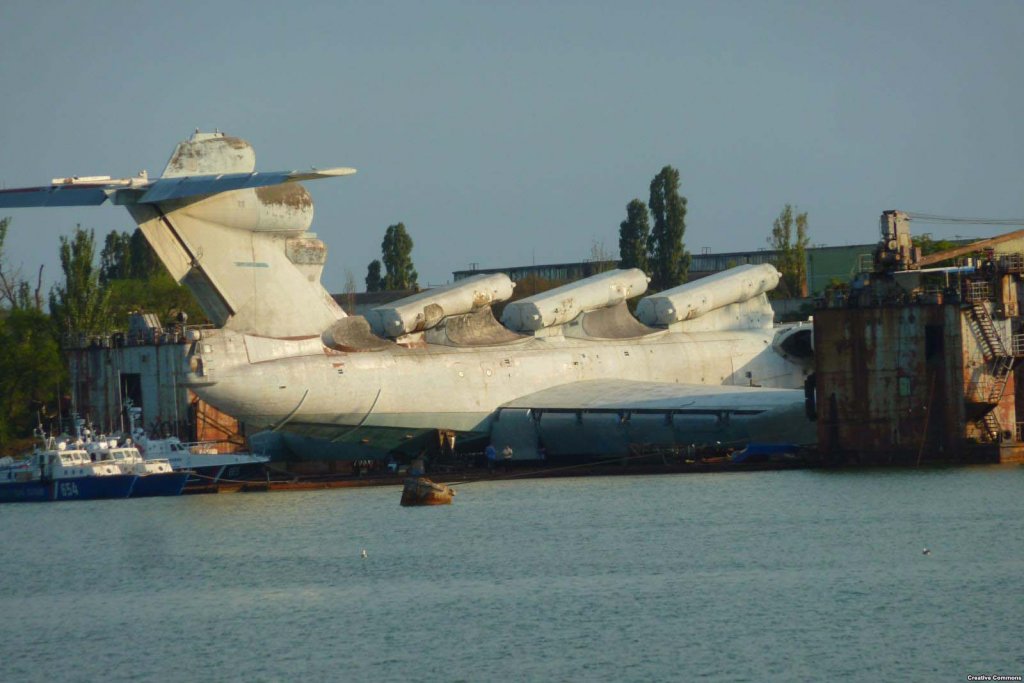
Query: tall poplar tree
{"points": [[79, 304], [128, 256], [792, 248], [670, 262], [634, 232], [144, 261], [116, 257], [374, 281], [397, 256]]}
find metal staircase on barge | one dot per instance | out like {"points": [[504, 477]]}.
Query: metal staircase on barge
{"points": [[994, 351]]}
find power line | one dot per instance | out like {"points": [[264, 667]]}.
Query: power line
{"points": [[932, 218]]}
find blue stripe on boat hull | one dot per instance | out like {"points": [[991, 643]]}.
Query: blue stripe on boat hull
{"points": [[78, 488]]}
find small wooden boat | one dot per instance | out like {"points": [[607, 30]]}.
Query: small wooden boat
{"points": [[422, 491]]}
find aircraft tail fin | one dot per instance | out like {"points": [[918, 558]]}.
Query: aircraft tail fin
{"points": [[210, 154], [237, 238]]}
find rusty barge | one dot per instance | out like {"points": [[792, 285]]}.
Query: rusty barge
{"points": [[917, 362]]}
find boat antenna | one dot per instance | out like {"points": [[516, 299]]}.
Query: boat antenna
{"points": [[174, 400], [120, 398], [60, 413], [74, 404]]}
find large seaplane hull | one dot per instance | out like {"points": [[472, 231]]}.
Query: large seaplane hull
{"points": [[361, 403]]}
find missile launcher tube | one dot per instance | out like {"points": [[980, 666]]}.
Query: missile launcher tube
{"points": [[694, 299], [562, 304], [426, 309]]}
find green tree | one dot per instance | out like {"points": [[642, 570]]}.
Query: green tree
{"points": [[374, 281], [31, 366], [928, 245], [79, 304], [397, 256], [158, 293], [127, 255], [135, 280], [634, 232], [143, 261], [669, 260], [31, 369], [9, 281], [116, 257], [789, 238], [16, 292]]}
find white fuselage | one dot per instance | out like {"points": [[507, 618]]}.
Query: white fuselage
{"points": [[304, 387]]}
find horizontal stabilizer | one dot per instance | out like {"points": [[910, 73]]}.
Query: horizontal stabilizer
{"points": [[52, 195], [140, 191], [164, 189]]}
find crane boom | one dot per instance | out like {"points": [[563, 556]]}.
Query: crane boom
{"points": [[947, 254]]}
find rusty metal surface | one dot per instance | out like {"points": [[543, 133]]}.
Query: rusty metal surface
{"points": [[913, 383], [103, 378], [306, 251], [889, 380], [423, 491], [214, 425], [292, 196]]}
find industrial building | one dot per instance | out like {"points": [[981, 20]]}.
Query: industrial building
{"points": [[825, 265], [142, 367]]}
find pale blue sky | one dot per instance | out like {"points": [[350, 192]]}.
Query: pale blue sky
{"points": [[504, 133]]}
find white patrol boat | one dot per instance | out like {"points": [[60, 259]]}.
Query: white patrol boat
{"points": [[57, 472], [156, 476], [200, 458]]}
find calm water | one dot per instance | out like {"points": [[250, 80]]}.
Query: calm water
{"points": [[737, 577]]}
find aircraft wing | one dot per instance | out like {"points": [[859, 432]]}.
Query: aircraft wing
{"points": [[96, 190], [619, 395], [651, 412]]}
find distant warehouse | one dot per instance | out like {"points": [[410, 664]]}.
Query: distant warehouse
{"points": [[824, 265]]}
